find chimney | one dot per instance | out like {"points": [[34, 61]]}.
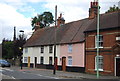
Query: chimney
{"points": [[37, 25], [93, 9], [14, 38], [60, 21]]}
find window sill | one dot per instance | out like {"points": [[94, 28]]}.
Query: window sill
{"points": [[99, 70], [99, 47]]}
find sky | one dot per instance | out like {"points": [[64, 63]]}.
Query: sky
{"points": [[18, 13]]}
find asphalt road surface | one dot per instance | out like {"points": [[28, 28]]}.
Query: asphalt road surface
{"points": [[8, 73]]}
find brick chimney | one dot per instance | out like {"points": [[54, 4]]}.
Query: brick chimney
{"points": [[93, 9], [37, 25], [60, 21]]}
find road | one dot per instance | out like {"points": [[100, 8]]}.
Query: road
{"points": [[9, 73]]}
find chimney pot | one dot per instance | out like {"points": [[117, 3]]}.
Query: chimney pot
{"points": [[60, 20], [94, 3], [93, 9], [60, 15], [91, 4]]}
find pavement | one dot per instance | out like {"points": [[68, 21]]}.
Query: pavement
{"points": [[62, 74]]}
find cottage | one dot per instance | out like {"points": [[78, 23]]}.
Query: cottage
{"points": [[70, 44], [39, 52], [109, 45]]}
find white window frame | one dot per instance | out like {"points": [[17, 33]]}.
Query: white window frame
{"points": [[42, 49], [51, 49], [25, 59], [50, 61], [26, 50], [100, 41], [42, 60], [69, 48], [70, 60], [100, 69]]}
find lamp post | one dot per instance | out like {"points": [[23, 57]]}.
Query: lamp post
{"points": [[21, 49], [54, 68], [98, 24]]}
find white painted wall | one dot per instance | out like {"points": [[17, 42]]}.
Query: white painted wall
{"points": [[36, 52]]}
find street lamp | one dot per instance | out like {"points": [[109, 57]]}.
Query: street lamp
{"points": [[21, 50], [98, 24], [54, 67]]}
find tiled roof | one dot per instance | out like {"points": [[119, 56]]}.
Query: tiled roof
{"points": [[68, 33], [107, 21], [72, 32]]}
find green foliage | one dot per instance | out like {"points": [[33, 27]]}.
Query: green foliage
{"points": [[44, 19], [8, 51], [112, 9]]}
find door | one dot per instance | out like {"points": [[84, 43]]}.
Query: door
{"points": [[64, 63], [117, 66], [29, 62], [56, 67], [35, 64]]}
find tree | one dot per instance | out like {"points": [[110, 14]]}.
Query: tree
{"points": [[10, 49], [21, 40], [112, 9], [7, 49], [44, 19]]}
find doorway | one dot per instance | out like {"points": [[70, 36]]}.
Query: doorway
{"points": [[28, 62], [64, 63], [35, 64], [117, 66]]}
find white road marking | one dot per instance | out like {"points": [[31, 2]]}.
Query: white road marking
{"points": [[47, 76], [7, 69], [1, 70], [13, 77], [42, 75]]}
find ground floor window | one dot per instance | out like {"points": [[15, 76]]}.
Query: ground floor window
{"points": [[41, 60], [25, 59], [99, 63], [50, 60], [69, 61]]}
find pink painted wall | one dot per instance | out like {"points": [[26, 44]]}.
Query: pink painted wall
{"points": [[77, 54]]}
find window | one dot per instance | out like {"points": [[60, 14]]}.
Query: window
{"points": [[117, 38], [51, 49], [42, 60], [69, 61], [100, 63], [70, 48], [26, 50], [50, 60], [42, 49], [100, 42], [25, 59]]}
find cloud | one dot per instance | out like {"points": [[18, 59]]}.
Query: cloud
{"points": [[18, 12], [9, 17]]}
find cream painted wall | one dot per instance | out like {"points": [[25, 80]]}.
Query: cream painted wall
{"points": [[36, 52]]}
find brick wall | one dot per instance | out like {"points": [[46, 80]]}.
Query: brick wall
{"points": [[109, 40]]}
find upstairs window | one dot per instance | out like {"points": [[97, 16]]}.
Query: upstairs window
{"points": [[99, 42], [51, 49], [70, 48], [42, 49], [26, 50]]}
